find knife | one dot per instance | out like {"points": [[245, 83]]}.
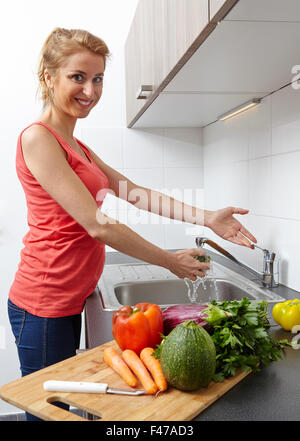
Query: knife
{"points": [[88, 387]]}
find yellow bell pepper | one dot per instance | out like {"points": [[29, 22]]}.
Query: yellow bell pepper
{"points": [[287, 314]]}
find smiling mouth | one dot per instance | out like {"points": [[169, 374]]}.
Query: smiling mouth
{"points": [[84, 103]]}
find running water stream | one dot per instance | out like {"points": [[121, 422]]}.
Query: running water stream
{"points": [[209, 281]]}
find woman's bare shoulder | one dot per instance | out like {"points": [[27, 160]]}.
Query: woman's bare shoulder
{"points": [[37, 139], [35, 133]]}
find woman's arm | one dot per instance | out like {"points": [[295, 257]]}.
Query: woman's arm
{"points": [[48, 164], [220, 221], [150, 200]]}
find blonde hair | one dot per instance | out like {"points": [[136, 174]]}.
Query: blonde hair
{"points": [[60, 44]]}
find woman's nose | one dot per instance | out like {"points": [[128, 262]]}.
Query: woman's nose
{"points": [[89, 90]]}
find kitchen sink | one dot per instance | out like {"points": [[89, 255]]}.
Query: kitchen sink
{"points": [[165, 292], [128, 284]]}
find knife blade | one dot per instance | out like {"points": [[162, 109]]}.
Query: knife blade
{"points": [[88, 387]]}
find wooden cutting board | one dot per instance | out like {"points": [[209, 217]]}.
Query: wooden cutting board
{"points": [[28, 394]]}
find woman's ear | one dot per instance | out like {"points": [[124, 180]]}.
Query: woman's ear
{"points": [[48, 79]]}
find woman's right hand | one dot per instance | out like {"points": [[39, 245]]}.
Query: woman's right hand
{"points": [[183, 263]]}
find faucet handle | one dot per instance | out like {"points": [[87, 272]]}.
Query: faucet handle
{"points": [[268, 255], [253, 245], [270, 268]]}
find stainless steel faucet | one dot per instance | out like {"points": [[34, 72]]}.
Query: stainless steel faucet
{"points": [[267, 277]]}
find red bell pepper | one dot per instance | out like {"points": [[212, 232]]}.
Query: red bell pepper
{"points": [[138, 327]]}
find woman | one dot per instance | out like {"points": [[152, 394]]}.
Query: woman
{"points": [[64, 251]]}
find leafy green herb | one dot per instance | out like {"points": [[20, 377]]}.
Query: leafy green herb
{"points": [[240, 333], [203, 258], [216, 314]]}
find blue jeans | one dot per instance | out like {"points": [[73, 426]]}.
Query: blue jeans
{"points": [[43, 341]]}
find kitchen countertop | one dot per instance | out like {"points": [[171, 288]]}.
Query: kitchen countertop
{"points": [[271, 394]]}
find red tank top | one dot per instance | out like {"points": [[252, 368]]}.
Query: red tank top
{"points": [[60, 263]]}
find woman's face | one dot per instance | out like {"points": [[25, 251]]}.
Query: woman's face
{"points": [[77, 85]]}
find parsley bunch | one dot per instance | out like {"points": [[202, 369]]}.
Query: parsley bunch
{"points": [[240, 333]]}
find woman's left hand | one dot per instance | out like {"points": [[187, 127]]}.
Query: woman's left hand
{"points": [[226, 226]]}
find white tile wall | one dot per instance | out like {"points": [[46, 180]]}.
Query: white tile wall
{"points": [[260, 181], [226, 185], [184, 183], [259, 129], [167, 160], [225, 140], [253, 160], [285, 120], [280, 235], [181, 147], [107, 143], [286, 185], [147, 177], [143, 148]]}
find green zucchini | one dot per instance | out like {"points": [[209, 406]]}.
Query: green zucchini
{"points": [[188, 357]]}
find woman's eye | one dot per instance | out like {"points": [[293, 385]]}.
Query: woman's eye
{"points": [[77, 77]]}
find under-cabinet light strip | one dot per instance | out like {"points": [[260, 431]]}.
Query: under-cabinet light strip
{"points": [[239, 109]]}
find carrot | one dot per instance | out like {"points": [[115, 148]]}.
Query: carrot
{"points": [[153, 365], [114, 360], [138, 367]]}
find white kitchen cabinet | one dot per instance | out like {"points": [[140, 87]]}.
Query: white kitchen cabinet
{"points": [[262, 10], [161, 34], [249, 53], [139, 54]]}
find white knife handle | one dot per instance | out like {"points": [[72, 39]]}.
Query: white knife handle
{"points": [[75, 386]]}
